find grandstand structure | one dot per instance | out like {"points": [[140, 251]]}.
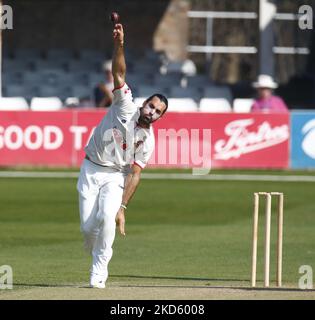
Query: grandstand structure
{"points": [[52, 78], [59, 78]]}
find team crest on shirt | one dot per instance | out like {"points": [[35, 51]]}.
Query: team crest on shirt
{"points": [[122, 142], [119, 138], [127, 90], [140, 143]]}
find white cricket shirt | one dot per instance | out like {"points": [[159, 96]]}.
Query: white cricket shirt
{"points": [[118, 141]]}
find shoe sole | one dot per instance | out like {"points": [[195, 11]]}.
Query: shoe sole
{"points": [[97, 286]]}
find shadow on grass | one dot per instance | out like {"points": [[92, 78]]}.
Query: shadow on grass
{"points": [[175, 278], [44, 285], [205, 286], [283, 289]]}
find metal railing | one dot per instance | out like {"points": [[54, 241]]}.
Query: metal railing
{"points": [[209, 48]]}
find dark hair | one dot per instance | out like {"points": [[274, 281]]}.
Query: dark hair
{"points": [[161, 97]]}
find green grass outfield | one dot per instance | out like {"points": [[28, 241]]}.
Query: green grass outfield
{"points": [[185, 240]]}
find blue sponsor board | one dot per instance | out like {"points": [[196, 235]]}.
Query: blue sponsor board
{"points": [[303, 140]]}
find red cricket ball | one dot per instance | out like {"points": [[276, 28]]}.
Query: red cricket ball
{"points": [[114, 17]]}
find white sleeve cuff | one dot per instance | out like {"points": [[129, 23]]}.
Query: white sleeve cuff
{"points": [[140, 164]]}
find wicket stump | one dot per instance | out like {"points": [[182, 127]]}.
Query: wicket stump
{"points": [[268, 202]]}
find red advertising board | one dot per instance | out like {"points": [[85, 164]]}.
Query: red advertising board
{"points": [[35, 138], [182, 139], [237, 140]]}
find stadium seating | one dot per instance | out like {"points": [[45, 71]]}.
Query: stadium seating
{"points": [[67, 78], [94, 78], [63, 73], [13, 103], [218, 92], [198, 81], [174, 67], [168, 80], [13, 65], [35, 78], [48, 91], [59, 54], [189, 92], [242, 105], [153, 57], [75, 77], [26, 91], [12, 77], [46, 104], [135, 80], [48, 65], [78, 65], [51, 77], [81, 92], [92, 55], [145, 67], [214, 105], [147, 90], [21, 54]]}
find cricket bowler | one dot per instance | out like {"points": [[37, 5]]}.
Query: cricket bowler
{"points": [[118, 150]]}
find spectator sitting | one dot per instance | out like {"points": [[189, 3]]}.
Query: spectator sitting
{"points": [[266, 101], [103, 91]]}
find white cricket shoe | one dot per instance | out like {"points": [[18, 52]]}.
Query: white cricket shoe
{"points": [[98, 284], [97, 281]]}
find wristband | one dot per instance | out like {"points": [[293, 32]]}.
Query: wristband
{"points": [[123, 206]]}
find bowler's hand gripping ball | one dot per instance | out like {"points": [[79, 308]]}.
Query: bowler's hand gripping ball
{"points": [[114, 17]]}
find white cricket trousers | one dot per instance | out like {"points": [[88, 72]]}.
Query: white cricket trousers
{"points": [[100, 195]]}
